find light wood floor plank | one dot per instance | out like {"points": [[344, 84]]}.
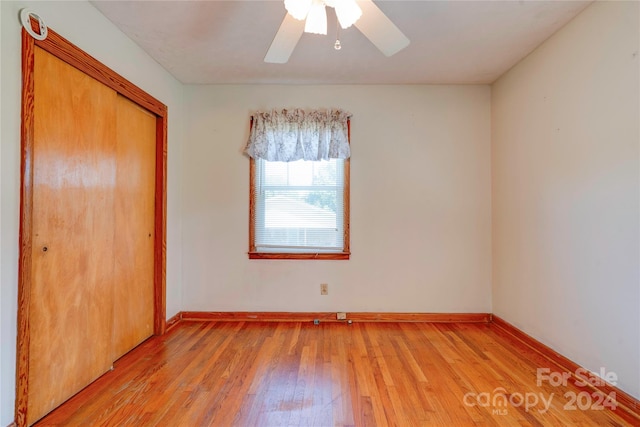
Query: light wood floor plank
{"points": [[334, 374]]}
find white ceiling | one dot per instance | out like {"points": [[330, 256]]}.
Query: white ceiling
{"points": [[452, 42]]}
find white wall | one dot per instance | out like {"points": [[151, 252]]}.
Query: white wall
{"points": [[420, 203], [84, 26], [565, 161], [5, 312]]}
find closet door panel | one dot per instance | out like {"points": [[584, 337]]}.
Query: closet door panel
{"points": [[134, 218], [74, 175]]}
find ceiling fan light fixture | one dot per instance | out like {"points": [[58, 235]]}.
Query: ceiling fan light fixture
{"points": [[348, 12], [299, 9], [363, 14], [316, 18]]}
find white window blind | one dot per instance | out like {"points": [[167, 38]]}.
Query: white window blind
{"points": [[299, 206]]}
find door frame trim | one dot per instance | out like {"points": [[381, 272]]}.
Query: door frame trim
{"points": [[74, 56]]}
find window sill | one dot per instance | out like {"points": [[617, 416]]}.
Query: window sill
{"points": [[321, 256]]}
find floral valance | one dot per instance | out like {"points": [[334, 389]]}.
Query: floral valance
{"points": [[290, 135]]}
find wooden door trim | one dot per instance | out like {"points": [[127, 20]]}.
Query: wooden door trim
{"points": [[25, 235], [71, 54], [160, 246]]}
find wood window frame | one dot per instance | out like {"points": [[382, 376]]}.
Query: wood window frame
{"points": [[61, 48], [343, 255]]}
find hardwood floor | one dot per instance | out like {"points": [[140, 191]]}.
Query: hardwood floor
{"points": [[299, 374]]}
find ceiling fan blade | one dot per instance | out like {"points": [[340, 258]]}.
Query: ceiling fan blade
{"points": [[379, 29], [285, 40]]}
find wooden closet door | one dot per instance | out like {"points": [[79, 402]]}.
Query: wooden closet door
{"points": [[74, 175], [134, 230]]}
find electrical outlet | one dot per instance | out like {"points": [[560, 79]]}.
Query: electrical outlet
{"points": [[324, 289], [341, 315]]}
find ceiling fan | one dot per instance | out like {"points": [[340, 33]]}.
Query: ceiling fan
{"points": [[310, 16]]}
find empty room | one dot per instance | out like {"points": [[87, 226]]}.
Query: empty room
{"points": [[319, 213]]}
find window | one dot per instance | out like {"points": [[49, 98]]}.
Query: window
{"points": [[299, 186], [300, 209]]}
